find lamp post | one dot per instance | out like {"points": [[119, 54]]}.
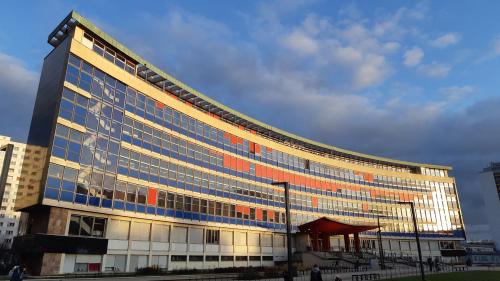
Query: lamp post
{"points": [[380, 247], [415, 229], [288, 228]]}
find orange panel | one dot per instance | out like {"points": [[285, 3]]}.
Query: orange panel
{"points": [[269, 149], [227, 161], [234, 164], [159, 104], [251, 147], [365, 207], [257, 148], [258, 214], [152, 196], [258, 171], [315, 202], [245, 166]]}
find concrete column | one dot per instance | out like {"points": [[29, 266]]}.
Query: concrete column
{"points": [[357, 244], [347, 243]]}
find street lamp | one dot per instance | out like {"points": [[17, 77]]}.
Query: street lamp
{"points": [[379, 238], [288, 228], [415, 228]]}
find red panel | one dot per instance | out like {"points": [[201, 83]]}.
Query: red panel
{"points": [[257, 148], [365, 207], [227, 135], [258, 214], [368, 177], [239, 208], [258, 171], [269, 149], [269, 172], [270, 214], [246, 166], [315, 202], [227, 161], [159, 104], [251, 147], [234, 163], [234, 139], [239, 164], [152, 196], [246, 210]]}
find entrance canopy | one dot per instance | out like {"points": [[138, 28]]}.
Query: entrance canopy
{"points": [[332, 227]]}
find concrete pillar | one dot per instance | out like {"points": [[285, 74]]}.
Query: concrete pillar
{"points": [[357, 244], [347, 243]]}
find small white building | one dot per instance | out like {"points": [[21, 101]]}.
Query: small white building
{"points": [[490, 187], [11, 162]]}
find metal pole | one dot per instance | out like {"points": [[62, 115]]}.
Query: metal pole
{"points": [[418, 241], [288, 232], [415, 229], [288, 229], [380, 249]]}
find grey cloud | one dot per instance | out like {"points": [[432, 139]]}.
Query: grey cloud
{"points": [[17, 93]]}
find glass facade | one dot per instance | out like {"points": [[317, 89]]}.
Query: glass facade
{"points": [[127, 136]]}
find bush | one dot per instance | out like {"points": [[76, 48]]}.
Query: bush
{"points": [[150, 270]]}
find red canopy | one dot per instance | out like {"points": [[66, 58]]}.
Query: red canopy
{"points": [[327, 225]]}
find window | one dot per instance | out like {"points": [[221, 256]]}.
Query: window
{"points": [[212, 236], [241, 258], [178, 258], [212, 258], [195, 258], [86, 226], [227, 258], [254, 258]]}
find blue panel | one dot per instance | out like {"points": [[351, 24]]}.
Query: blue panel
{"points": [[51, 193], [187, 215], [94, 201], [122, 170], [210, 218], [81, 199], [170, 213], [153, 178], [66, 196], [196, 216], [106, 203], [160, 211], [118, 204], [141, 208], [68, 186], [53, 182], [178, 214], [130, 207], [126, 138], [151, 210]]}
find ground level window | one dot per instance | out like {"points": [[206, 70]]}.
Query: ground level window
{"points": [[227, 258], [195, 258], [86, 226], [254, 258], [178, 258], [212, 236], [267, 258], [241, 258], [212, 258]]}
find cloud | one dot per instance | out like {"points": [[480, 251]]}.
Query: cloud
{"points": [[456, 92], [18, 92], [301, 42], [493, 52], [434, 70], [413, 56], [446, 40]]}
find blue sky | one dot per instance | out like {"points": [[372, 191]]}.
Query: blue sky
{"points": [[410, 80]]}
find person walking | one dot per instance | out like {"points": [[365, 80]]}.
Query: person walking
{"points": [[429, 263], [316, 273], [16, 273]]}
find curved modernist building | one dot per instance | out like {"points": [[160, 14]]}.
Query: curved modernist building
{"points": [[142, 170]]}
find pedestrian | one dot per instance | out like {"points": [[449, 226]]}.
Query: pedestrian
{"points": [[436, 264], [16, 273], [429, 263], [316, 273]]}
